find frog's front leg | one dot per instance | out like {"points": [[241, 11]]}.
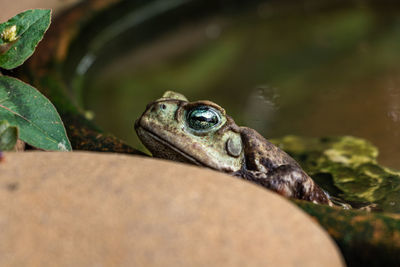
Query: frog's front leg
{"points": [[289, 181]]}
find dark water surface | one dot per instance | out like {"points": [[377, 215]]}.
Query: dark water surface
{"points": [[311, 68]]}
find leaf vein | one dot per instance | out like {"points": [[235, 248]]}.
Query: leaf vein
{"points": [[33, 124]]}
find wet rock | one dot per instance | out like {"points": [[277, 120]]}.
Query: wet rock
{"points": [[86, 209]]}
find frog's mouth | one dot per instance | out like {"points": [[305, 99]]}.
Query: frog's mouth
{"points": [[161, 148]]}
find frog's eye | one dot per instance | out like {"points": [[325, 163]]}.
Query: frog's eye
{"points": [[203, 118]]}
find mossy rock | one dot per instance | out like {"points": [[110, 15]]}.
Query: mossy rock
{"points": [[347, 168], [365, 238]]}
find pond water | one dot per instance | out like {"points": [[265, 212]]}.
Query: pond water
{"points": [[309, 68]]}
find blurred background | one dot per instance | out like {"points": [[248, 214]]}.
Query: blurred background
{"points": [[310, 68]]}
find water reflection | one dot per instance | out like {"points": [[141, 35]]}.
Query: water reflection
{"points": [[261, 108], [333, 67]]}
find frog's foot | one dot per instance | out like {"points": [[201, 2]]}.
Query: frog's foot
{"points": [[340, 203]]}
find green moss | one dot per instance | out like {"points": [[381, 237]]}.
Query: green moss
{"points": [[347, 168]]}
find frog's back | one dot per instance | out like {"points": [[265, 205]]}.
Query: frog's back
{"points": [[271, 167], [259, 152]]}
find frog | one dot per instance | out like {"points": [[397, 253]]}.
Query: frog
{"points": [[201, 133]]}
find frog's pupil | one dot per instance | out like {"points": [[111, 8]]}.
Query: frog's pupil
{"points": [[203, 118]]}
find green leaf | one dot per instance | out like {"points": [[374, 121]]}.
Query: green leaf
{"points": [[37, 119], [8, 135], [20, 35]]}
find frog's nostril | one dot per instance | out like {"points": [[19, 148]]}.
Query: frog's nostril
{"points": [[156, 107]]}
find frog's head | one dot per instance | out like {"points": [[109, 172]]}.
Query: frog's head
{"points": [[195, 132]]}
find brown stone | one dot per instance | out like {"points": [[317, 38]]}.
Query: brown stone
{"points": [[87, 209], [12, 8]]}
